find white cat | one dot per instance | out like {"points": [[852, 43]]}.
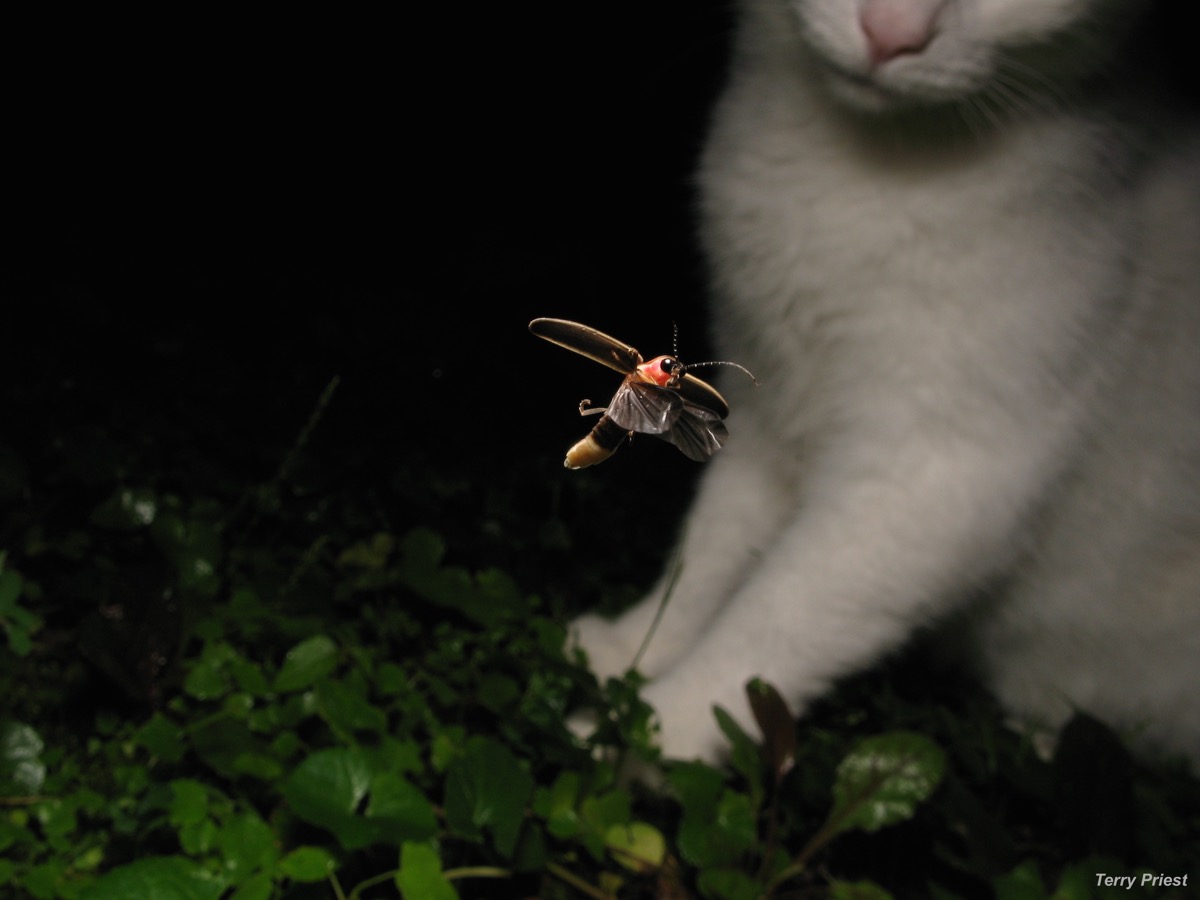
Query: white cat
{"points": [[958, 241]]}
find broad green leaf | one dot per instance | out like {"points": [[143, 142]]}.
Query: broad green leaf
{"points": [[189, 802], [420, 569], [695, 784], [162, 738], [58, 820], [556, 804], [306, 663], [420, 876], [249, 676], [326, 790], [487, 788], [718, 832], [346, 708], [247, 844], [638, 846], [307, 864], [160, 877], [42, 881], [259, 886], [207, 679], [599, 813], [883, 780], [398, 809], [718, 824], [498, 693]]}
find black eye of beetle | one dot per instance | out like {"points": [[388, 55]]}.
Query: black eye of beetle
{"points": [[669, 365]]}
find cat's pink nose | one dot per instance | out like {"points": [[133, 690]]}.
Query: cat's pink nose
{"points": [[896, 27]]}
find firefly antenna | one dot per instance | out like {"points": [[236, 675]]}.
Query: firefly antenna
{"points": [[722, 362], [681, 367]]}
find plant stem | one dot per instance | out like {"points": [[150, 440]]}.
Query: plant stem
{"points": [[576, 882]]}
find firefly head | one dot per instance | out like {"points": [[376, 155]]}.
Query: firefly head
{"points": [[663, 371]]}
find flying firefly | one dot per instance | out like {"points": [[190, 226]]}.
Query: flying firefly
{"points": [[658, 397]]}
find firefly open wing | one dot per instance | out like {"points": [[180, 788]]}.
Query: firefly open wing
{"points": [[645, 408], [704, 395], [589, 342], [608, 351], [698, 432]]}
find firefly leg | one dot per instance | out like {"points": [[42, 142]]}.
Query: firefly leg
{"points": [[586, 408]]}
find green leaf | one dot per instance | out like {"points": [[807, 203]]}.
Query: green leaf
{"points": [[556, 805], [420, 876], [744, 755], [189, 803], [326, 790], [209, 677], [160, 877], [162, 738], [18, 622], [372, 554], [21, 768], [343, 705], [487, 788], [193, 544], [259, 886], [638, 846], [1022, 883], [600, 812], [247, 844], [399, 809], [307, 864], [127, 510], [883, 780], [306, 663], [719, 824]]}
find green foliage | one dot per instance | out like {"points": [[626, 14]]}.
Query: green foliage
{"points": [[19, 623], [274, 700]]}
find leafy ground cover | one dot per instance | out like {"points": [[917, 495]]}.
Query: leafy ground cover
{"points": [[307, 684]]}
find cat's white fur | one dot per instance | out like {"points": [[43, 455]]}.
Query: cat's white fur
{"points": [[965, 272]]}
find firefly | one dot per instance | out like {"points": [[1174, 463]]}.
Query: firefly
{"points": [[658, 397]]}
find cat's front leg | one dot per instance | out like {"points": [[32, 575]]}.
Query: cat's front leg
{"points": [[737, 512], [877, 550]]}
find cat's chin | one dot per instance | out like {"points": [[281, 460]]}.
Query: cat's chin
{"points": [[862, 94], [866, 94]]}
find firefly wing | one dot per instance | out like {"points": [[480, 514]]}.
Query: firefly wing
{"points": [[698, 432], [646, 408], [704, 395], [589, 342]]}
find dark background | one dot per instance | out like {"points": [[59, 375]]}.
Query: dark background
{"points": [[216, 215]]}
